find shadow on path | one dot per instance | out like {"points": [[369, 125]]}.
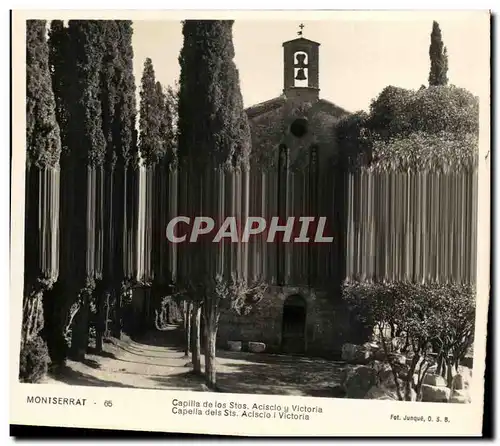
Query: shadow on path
{"points": [[74, 378], [156, 361], [172, 337], [283, 377]]}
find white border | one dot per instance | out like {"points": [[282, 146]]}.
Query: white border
{"points": [[344, 408]]}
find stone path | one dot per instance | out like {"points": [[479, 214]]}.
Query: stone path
{"points": [[157, 362]]}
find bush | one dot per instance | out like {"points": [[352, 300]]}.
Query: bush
{"points": [[445, 109], [430, 319], [353, 137], [34, 361], [433, 127], [399, 112], [390, 112]]}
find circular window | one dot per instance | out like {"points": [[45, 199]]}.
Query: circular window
{"points": [[299, 127]]}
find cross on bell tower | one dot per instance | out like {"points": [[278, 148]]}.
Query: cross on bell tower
{"points": [[301, 66]]}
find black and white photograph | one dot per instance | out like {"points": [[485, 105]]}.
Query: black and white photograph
{"points": [[262, 207]]}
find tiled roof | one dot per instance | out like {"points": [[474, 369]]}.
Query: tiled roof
{"points": [[266, 106], [277, 102]]}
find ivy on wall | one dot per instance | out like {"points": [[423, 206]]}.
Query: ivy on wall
{"points": [[271, 129]]}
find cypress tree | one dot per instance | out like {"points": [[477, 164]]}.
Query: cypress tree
{"points": [[109, 89], [214, 145], [126, 178], [43, 145], [156, 135], [85, 175], [150, 147], [159, 196], [57, 305], [169, 124], [439, 58], [165, 199], [43, 141], [150, 144]]}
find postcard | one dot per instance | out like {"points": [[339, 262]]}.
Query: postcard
{"points": [[265, 223]]}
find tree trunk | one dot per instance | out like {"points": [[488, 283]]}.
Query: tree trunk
{"points": [[32, 315], [101, 320], [117, 325], [107, 311], [80, 331], [54, 313], [210, 366], [195, 337], [187, 327], [449, 373]]}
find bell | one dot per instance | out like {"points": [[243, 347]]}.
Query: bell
{"points": [[301, 76]]}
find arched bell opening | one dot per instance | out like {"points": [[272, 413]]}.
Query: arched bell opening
{"points": [[301, 70]]}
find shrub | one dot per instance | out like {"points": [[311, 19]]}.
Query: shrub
{"points": [[390, 112], [34, 361], [433, 127], [353, 137], [399, 112], [431, 319]]}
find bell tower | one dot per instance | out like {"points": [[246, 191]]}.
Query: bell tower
{"points": [[301, 68]]}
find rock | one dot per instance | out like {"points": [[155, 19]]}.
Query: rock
{"points": [[465, 371], [385, 375], [356, 354], [204, 388], [348, 351], [432, 369], [460, 396], [435, 394], [359, 380], [234, 346], [256, 347], [433, 379], [460, 382], [381, 393]]}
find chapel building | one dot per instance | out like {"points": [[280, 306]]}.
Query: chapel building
{"points": [[295, 172]]}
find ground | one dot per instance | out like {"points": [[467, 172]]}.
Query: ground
{"points": [[157, 361]]}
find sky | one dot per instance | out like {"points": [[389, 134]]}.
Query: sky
{"points": [[360, 53]]}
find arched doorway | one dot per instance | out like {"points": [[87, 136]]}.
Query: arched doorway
{"points": [[293, 339]]}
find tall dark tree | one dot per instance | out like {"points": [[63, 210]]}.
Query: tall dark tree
{"points": [[126, 178], [109, 89], [214, 147], [57, 305], [43, 146], [438, 74], [150, 144], [151, 150], [83, 169], [92, 76], [166, 256], [156, 146]]}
